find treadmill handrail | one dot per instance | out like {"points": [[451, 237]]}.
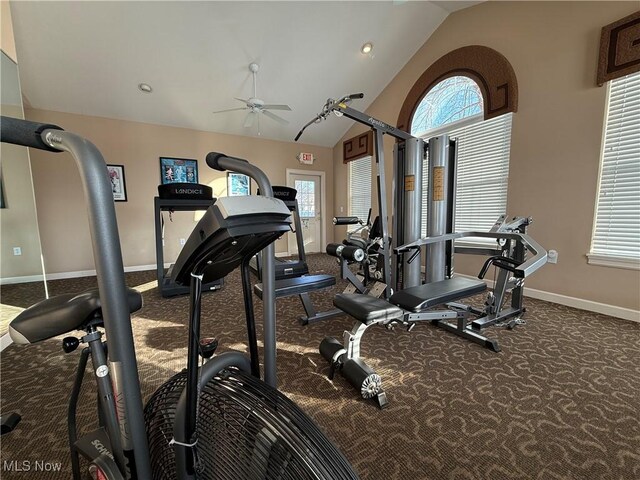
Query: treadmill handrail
{"points": [[221, 162], [538, 259]]}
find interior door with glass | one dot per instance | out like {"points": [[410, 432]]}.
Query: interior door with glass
{"points": [[309, 202]]}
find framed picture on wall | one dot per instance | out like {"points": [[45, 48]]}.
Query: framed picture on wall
{"points": [[178, 170], [118, 185], [2, 204], [237, 184]]}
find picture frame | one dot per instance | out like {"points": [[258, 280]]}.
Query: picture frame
{"points": [[238, 184], [178, 170], [2, 202], [118, 184]]}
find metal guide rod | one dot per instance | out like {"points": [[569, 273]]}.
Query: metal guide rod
{"points": [[382, 205], [437, 211], [412, 209]]}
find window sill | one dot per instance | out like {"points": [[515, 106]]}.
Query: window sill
{"points": [[611, 261]]}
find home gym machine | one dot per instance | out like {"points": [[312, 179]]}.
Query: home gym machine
{"points": [[178, 197], [414, 301], [220, 421]]}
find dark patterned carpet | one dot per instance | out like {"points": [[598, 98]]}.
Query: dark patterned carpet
{"points": [[561, 400]]}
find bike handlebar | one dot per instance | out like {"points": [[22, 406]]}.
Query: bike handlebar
{"points": [[26, 133], [222, 162]]}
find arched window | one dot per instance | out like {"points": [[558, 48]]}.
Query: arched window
{"points": [[455, 107], [450, 101]]}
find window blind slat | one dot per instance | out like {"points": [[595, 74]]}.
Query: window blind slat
{"points": [[616, 231], [360, 187], [483, 168]]}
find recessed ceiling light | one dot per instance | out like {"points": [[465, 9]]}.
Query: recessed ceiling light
{"points": [[145, 87], [366, 48]]}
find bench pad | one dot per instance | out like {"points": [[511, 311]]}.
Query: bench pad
{"points": [[295, 286], [422, 297], [367, 309], [62, 314]]}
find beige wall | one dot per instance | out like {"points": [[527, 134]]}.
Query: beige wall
{"points": [[7, 42], [138, 146], [557, 131]]}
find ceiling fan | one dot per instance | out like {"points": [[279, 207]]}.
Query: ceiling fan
{"points": [[256, 106]]}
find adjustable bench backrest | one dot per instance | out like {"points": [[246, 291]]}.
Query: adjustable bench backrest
{"points": [[423, 297]]}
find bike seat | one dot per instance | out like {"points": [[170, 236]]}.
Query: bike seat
{"points": [[62, 314]]}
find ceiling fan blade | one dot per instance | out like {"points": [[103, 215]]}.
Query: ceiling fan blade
{"points": [[277, 107], [275, 117], [230, 110], [242, 100], [248, 120]]}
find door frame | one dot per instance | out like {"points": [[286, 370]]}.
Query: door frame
{"points": [[323, 200]]}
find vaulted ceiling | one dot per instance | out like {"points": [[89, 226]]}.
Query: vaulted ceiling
{"points": [[89, 57]]}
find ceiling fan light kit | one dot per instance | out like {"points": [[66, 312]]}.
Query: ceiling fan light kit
{"points": [[256, 106]]}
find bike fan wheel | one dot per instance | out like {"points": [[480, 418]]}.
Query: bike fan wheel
{"points": [[246, 430]]}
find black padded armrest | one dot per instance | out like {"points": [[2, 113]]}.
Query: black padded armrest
{"points": [[298, 285]]}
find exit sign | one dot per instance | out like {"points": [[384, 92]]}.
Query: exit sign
{"points": [[306, 158]]}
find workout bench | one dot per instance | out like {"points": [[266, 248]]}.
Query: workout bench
{"points": [[302, 286]]}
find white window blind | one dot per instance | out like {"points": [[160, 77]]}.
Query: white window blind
{"points": [[483, 170], [616, 232], [360, 187]]}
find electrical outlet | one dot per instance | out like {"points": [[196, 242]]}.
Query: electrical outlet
{"points": [[552, 256], [17, 251], [182, 242]]}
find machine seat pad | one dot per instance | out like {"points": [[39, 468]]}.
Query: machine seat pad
{"points": [[295, 286], [355, 242], [367, 309], [422, 297], [62, 314]]}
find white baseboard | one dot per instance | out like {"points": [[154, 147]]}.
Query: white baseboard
{"points": [[91, 273], [88, 273], [25, 279], [589, 305], [5, 341], [77, 274]]}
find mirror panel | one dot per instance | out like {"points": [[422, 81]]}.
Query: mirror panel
{"points": [[22, 280]]}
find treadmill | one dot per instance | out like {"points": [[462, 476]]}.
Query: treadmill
{"points": [[178, 197], [286, 268]]}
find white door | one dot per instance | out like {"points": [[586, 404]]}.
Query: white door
{"points": [[309, 198]]}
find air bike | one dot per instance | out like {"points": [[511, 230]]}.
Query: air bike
{"points": [[418, 273], [216, 419]]}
